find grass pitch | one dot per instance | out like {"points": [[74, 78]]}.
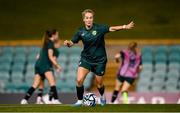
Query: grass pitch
{"points": [[97, 108]]}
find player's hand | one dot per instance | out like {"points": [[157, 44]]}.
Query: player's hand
{"points": [[67, 43], [130, 25], [117, 56], [58, 69]]}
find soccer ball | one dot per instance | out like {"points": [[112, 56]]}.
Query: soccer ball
{"points": [[89, 99]]}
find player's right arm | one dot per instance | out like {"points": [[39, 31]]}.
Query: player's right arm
{"points": [[121, 27], [75, 39], [117, 57], [68, 43]]}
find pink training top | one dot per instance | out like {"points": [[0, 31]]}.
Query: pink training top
{"points": [[130, 64]]}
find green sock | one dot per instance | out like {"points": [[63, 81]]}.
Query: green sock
{"points": [[125, 97]]}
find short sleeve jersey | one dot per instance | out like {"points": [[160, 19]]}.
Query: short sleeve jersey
{"points": [[94, 45]]}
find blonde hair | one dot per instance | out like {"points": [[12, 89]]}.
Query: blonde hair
{"points": [[132, 46], [87, 11]]}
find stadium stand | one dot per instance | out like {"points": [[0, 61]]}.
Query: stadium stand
{"points": [[161, 69], [17, 68]]}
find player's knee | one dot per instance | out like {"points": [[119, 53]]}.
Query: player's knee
{"points": [[79, 82], [99, 84]]}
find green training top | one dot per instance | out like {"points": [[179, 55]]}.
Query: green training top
{"points": [[44, 61], [94, 45]]}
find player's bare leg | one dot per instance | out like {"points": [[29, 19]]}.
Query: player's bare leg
{"points": [[81, 75], [31, 90], [53, 95]]}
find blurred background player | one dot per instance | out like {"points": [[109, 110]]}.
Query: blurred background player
{"points": [[39, 99], [44, 67], [130, 66], [93, 56]]}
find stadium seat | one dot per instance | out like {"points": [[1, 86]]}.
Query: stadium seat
{"points": [[8, 49], [146, 72], [75, 50], [75, 58], [29, 74], [157, 89], [2, 87], [72, 67], [10, 87], [62, 58], [143, 86], [145, 78], [70, 75], [161, 49], [67, 84], [147, 50], [20, 58], [64, 50], [147, 58], [6, 58], [20, 49], [174, 66], [157, 85], [18, 66], [158, 81], [172, 89], [161, 67], [30, 67], [4, 76], [148, 66], [33, 49], [171, 82], [160, 58], [17, 76], [5, 66], [173, 74], [22, 87], [31, 59], [174, 57], [174, 49], [160, 74]]}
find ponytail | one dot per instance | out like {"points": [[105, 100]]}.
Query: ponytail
{"points": [[47, 35]]}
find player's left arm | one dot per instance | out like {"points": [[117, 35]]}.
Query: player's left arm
{"points": [[59, 69], [121, 27], [37, 56], [140, 67]]}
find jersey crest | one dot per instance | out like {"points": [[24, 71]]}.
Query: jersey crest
{"points": [[94, 32]]}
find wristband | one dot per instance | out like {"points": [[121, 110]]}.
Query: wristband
{"points": [[124, 26]]}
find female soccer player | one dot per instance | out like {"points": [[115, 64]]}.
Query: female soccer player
{"points": [[39, 99], [44, 67], [130, 66], [93, 56]]}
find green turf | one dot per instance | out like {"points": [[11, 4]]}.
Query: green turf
{"points": [[28, 19], [98, 108]]}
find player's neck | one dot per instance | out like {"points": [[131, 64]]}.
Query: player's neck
{"points": [[88, 27]]}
